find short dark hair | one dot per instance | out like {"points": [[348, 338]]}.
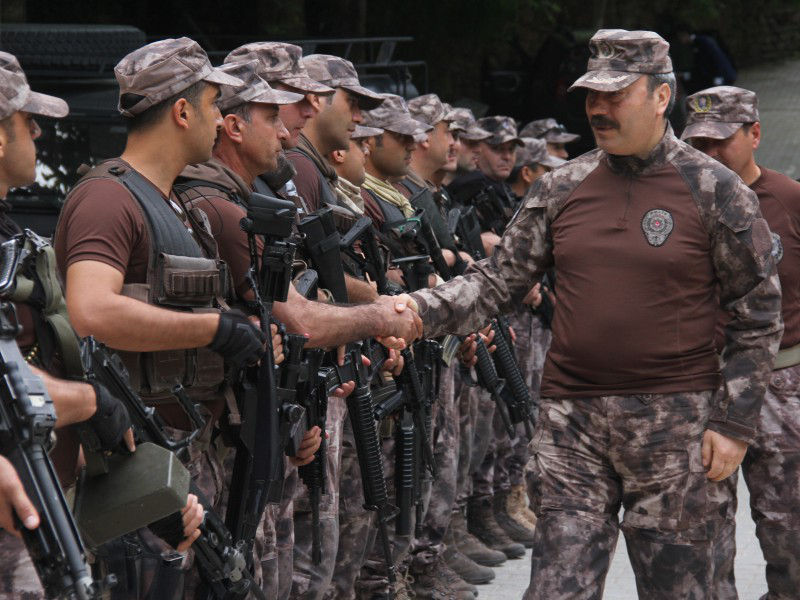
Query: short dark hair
{"points": [[514, 175], [746, 127], [654, 80], [241, 110], [8, 126], [153, 115]]}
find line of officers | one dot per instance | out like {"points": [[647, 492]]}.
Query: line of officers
{"points": [[302, 128]]}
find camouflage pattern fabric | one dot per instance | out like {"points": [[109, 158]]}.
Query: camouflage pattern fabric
{"points": [[393, 115], [483, 449], [18, 578], [162, 69], [284, 533], [503, 129], [592, 456], [740, 253], [310, 581], [252, 89], [427, 549], [468, 400], [428, 109], [619, 57], [335, 72], [16, 94], [534, 152], [279, 61], [548, 130], [719, 112]]}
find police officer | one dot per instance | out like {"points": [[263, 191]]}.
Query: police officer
{"points": [[469, 134], [552, 132], [533, 161], [724, 123], [626, 418], [53, 353], [122, 237]]}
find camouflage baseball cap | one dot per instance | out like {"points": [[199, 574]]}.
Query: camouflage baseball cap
{"points": [[620, 57], [428, 109], [334, 72], [549, 130], [503, 129], [463, 121], [252, 88], [393, 115], [719, 112], [365, 132], [16, 94], [534, 152], [162, 69], [279, 61]]}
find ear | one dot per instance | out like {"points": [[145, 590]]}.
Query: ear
{"points": [[662, 98], [527, 174], [315, 101], [755, 131], [337, 156], [232, 126], [3, 142], [180, 113]]}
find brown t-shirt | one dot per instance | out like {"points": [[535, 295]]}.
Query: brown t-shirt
{"points": [[307, 180], [647, 313], [779, 198]]}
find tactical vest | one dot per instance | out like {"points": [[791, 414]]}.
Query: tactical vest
{"points": [[183, 274], [423, 197]]}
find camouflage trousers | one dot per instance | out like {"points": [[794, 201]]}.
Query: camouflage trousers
{"points": [[356, 524], [511, 456], [310, 581], [484, 449], [468, 399], [18, 578], [592, 456], [771, 470], [427, 549]]}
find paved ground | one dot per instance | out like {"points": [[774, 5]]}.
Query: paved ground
{"points": [[778, 89]]}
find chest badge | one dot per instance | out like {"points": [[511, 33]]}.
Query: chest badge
{"points": [[657, 224], [777, 247]]}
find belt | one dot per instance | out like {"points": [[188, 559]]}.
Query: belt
{"points": [[788, 357]]}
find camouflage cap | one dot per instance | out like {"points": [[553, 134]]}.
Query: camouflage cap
{"points": [[393, 115], [502, 130], [16, 94], [162, 69], [252, 88], [463, 121], [534, 152], [279, 61], [334, 72], [549, 130], [719, 112], [620, 57], [365, 132], [428, 109]]}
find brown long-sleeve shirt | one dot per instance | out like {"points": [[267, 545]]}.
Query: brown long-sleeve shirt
{"points": [[640, 247]]}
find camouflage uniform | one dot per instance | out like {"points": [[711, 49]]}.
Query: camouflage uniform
{"points": [[548, 130], [534, 152], [771, 467], [592, 453]]}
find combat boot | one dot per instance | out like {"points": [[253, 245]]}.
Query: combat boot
{"points": [[514, 529], [517, 506], [402, 589], [470, 546], [482, 524], [430, 584], [466, 568]]}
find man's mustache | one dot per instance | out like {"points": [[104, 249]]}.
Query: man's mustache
{"points": [[601, 121]]}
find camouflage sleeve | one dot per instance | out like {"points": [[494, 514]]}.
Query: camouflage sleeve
{"points": [[750, 291], [496, 284]]}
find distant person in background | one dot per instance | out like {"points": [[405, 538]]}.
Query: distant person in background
{"points": [[711, 64]]}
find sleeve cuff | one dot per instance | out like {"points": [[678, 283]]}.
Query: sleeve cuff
{"points": [[732, 428]]}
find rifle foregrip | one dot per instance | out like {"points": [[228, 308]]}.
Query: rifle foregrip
{"points": [[404, 477], [359, 406]]}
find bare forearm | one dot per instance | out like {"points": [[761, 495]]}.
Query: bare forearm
{"points": [[359, 291], [74, 400], [127, 324]]}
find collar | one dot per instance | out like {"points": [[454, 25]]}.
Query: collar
{"points": [[633, 166], [307, 148]]}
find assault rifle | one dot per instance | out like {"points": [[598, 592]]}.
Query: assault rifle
{"points": [[266, 427], [27, 418], [222, 562]]}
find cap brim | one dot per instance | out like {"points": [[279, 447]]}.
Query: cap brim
{"points": [[552, 161], [561, 138], [475, 135], [48, 106], [274, 96], [367, 99], [308, 85], [710, 129], [220, 77], [408, 127], [363, 132], [496, 140], [605, 81]]}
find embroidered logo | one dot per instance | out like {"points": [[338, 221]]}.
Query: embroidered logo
{"points": [[702, 104], [605, 50], [777, 247], [657, 225]]}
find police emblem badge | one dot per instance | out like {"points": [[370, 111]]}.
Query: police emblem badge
{"points": [[702, 104], [777, 247], [605, 50], [657, 224]]}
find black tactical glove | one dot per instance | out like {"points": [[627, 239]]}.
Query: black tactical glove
{"points": [[109, 422], [239, 341]]}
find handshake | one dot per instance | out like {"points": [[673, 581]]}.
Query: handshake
{"points": [[397, 322]]}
